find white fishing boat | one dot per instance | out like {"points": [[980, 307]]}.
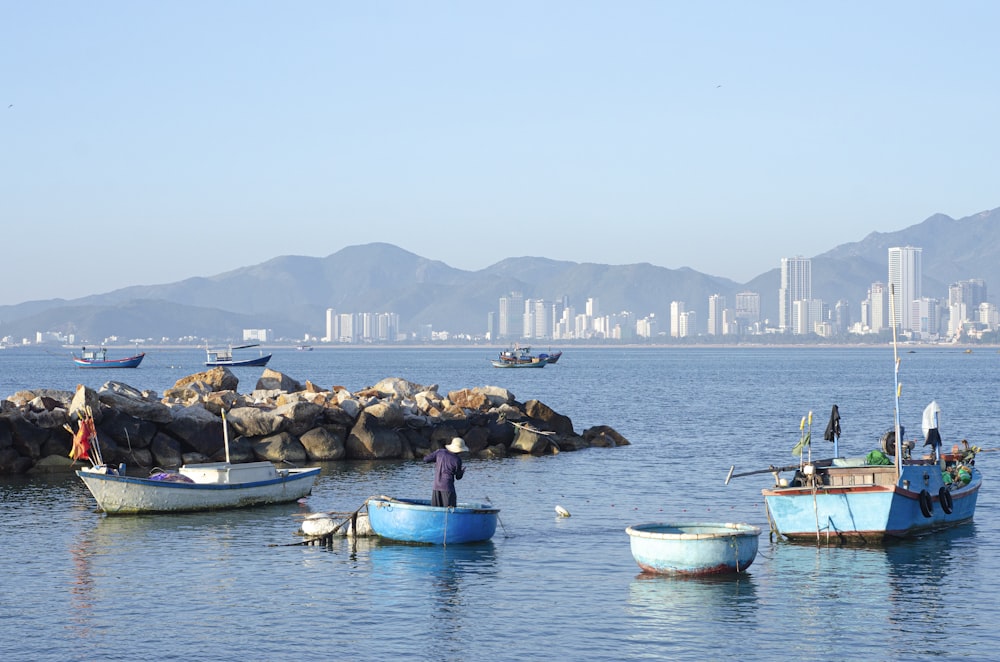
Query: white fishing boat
{"points": [[193, 487]]}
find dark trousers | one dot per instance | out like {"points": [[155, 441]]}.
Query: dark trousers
{"points": [[444, 499]]}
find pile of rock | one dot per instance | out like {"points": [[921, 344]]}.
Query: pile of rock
{"points": [[281, 421]]}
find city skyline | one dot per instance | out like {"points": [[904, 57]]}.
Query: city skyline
{"points": [[615, 133]]}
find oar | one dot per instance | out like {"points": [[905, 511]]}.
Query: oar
{"points": [[770, 469]]}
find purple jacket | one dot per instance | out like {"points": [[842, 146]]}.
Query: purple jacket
{"points": [[447, 469]]}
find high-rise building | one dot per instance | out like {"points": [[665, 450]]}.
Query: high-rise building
{"points": [[841, 317], [676, 312], [331, 326], [904, 282], [716, 304], [747, 308], [878, 296], [511, 324], [796, 285]]}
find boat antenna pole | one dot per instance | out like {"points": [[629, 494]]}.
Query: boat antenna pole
{"points": [[895, 376], [225, 434]]}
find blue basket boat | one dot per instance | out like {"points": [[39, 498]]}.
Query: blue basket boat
{"points": [[693, 548], [417, 521]]}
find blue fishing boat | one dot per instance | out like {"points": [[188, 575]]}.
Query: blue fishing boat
{"points": [[693, 548], [417, 521], [853, 500], [98, 358], [884, 494]]}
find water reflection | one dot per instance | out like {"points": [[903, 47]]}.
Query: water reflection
{"points": [[882, 586], [674, 600], [436, 590]]}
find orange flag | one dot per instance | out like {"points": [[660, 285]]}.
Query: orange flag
{"points": [[81, 440]]}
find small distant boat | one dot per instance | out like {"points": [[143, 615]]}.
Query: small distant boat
{"points": [[520, 357], [224, 357], [693, 548], [193, 487], [417, 521], [304, 348], [550, 358], [98, 358]]}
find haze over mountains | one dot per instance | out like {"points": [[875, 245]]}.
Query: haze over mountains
{"points": [[290, 294]]}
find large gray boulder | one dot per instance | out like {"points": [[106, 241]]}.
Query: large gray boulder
{"points": [[324, 444], [126, 430], [272, 380], [529, 441], [370, 441], [301, 416], [155, 412], [255, 422], [199, 429], [218, 378], [166, 451], [281, 447], [547, 418], [604, 436]]}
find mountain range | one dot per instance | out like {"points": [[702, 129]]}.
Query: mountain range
{"points": [[290, 294]]}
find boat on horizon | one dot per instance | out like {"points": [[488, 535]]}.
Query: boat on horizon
{"points": [[550, 358], [98, 358], [519, 357], [224, 357]]}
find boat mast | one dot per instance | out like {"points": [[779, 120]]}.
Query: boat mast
{"points": [[895, 376], [225, 434]]}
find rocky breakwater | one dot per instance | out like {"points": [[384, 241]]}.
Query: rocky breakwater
{"points": [[281, 420]]}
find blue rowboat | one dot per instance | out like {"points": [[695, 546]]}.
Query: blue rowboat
{"points": [[416, 520], [693, 548]]}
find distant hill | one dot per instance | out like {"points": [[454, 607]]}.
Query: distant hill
{"points": [[290, 294]]}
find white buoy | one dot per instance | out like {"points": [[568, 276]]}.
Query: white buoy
{"points": [[562, 511]]}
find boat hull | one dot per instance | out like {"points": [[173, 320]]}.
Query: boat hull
{"points": [[416, 521], [693, 548], [519, 364], [126, 495], [258, 361], [871, 512], [128, 362], [550, 358]]}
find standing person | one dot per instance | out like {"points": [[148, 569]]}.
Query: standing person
{"points": [[447, 469]]}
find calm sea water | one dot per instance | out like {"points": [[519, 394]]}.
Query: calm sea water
{"points": [[82, 586]]}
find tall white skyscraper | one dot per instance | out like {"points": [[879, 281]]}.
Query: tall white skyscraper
{"points": [[904, 279], [676, 312], [716, 304], [331, 326], [511, 323], [796, 285], [878, 296]]}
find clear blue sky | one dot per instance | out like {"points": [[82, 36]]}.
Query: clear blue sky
{"points": [[144, 143]]}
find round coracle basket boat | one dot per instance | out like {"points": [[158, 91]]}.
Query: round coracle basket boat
{"points": [[696, 548]]}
